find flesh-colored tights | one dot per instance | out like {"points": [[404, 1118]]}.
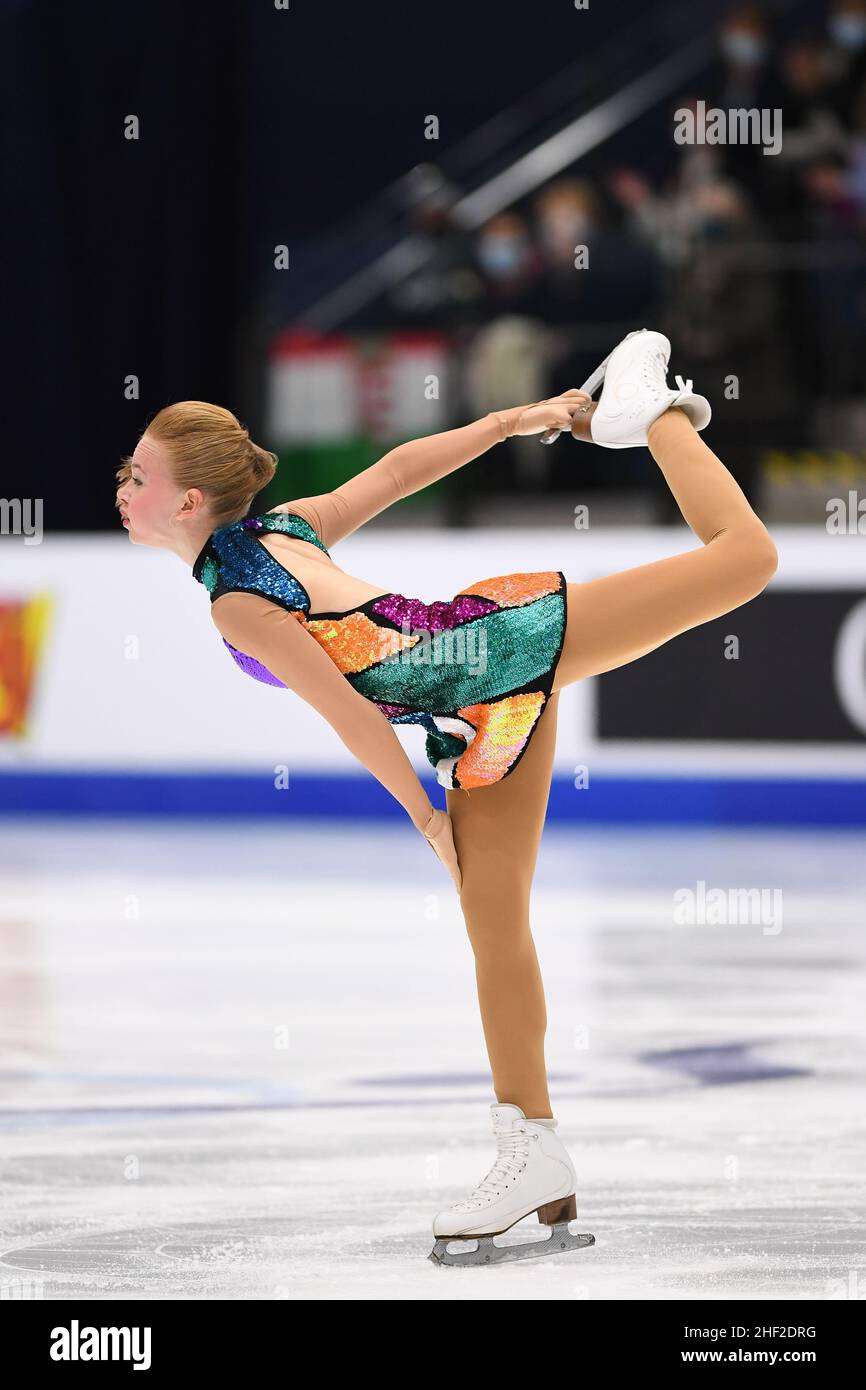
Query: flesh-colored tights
{"points": [[611, 621]]}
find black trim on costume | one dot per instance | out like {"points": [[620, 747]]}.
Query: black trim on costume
{"points": [[362, 608], [281, 566], [259, 593], [198, 563]]}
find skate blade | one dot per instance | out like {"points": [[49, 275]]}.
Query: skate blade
{"points": [[590, 386], [451, 1250]]}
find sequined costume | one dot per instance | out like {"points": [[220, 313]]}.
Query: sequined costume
{"points": [[474, 671]]}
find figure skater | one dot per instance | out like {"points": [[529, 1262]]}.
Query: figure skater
{"points": [[479, 672]]}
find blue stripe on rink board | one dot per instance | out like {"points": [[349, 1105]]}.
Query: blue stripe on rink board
{"points": [[675, 800]]}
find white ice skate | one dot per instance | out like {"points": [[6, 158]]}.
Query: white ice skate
{"points": [[635, 392], [532, 1173]]}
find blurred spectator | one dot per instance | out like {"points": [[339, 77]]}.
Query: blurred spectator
{"points": [[618, 278], [446, 290], [811, 121], [857, 156], [509, 265], [506, 363], [668, 221], [744, 75], [722, 315], [846, 29], [833, 302], [722, 318], [812, 129], [589, 300]]}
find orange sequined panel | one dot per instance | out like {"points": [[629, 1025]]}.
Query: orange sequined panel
{"points": [[510, 590], [503, 728], [354, 642]]}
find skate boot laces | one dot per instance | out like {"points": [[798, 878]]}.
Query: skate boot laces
{"points": [[513, 1152], [654, 372]]}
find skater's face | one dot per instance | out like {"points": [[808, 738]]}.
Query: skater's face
{"points": [[150, 502]]}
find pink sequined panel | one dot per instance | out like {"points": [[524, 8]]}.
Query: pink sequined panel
{"points": [[433, 617]]}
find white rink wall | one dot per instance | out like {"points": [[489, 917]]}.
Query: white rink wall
{"points": [[133, 675]]}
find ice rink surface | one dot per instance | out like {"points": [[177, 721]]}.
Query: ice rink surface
{"points": [[242, 1061]]}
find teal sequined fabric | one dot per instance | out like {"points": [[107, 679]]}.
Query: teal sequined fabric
{"points": [[475, 671]]}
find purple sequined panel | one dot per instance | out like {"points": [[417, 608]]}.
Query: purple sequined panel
{"points": [[253, 667], [432, 617]]}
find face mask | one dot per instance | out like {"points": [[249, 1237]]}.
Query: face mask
{"points": [[743, 47], [848, 30], [500, 255]]}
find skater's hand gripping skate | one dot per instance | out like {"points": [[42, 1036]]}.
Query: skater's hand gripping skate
{"points": [[553, 414], [439, 835]]}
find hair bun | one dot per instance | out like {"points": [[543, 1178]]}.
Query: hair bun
{"points": [[209, 448], [264, 464]]}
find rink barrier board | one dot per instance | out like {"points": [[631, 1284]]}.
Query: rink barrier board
{"points": [[675, 800]]}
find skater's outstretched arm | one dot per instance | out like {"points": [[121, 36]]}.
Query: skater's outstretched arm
{"points": [[273, 636], [415, 465]]}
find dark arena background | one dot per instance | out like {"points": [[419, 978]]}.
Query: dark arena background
{"points": [[242, 1058]]}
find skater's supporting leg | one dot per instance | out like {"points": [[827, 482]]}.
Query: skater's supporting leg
{"points": [[621, 617], [497, 832]]}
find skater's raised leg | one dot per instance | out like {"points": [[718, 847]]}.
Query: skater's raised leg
{"points": [[621, 617]]}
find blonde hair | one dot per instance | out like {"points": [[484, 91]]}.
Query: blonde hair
{"points": [[209, 448]]}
